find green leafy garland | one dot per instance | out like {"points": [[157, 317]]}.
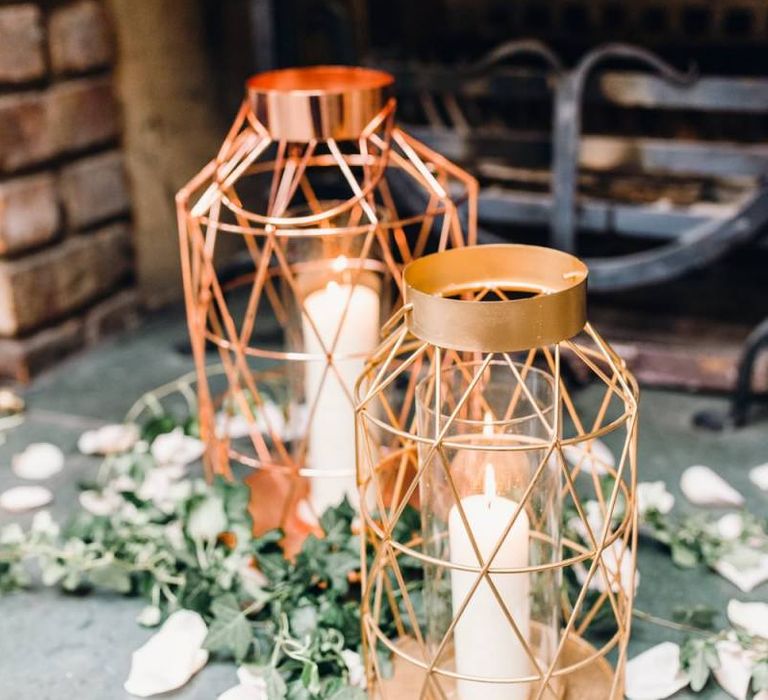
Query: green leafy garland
{"points": [[295, 623]]}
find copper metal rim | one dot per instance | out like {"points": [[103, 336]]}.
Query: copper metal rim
{"points": [[318, 102], [555, 311]]}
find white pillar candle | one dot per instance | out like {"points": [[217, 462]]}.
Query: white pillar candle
{"points": [[352, 312], [485, 643]]}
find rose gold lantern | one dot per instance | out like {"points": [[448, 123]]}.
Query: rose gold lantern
{"points": [[528, 521], [306, 188]]}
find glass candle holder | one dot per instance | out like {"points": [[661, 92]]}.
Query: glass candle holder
{"points": [[491, 514]]}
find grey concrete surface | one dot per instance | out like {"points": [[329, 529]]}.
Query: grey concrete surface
{"points": [[59, 647]]}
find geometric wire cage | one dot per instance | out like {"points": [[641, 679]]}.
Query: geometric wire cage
{"points": [[526, 548], [320, 199]]}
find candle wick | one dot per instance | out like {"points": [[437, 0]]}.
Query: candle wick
{"points": [[490, 484]]}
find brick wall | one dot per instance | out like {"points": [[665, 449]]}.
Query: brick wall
{"points": [[65, 242]]}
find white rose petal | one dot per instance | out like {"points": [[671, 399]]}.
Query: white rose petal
{"points": [[170, 657], [762, 695], [44, 524], [617, 569], [751, 617], [653, 495], [703, 486], [233, 426], [759, 476], [109, 439], [39, 461], [207, 519], [101, 503], [306, 514], [744, 579], [355, 667], [21, 498], [298, 418], [593, 456], [245, 692], [735, 670], [149, 616], [730, 526], [176, 448], [655, 674], [248, 675]]}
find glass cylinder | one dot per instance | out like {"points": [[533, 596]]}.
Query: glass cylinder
{"points": [[491, 509], [337, 294]]}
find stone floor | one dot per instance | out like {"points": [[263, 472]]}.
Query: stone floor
{"points": [[54, 646]]}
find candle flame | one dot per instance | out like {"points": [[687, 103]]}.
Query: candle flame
{"points": [[489, 483], [340, 264], [488, 424], [333, 288]]}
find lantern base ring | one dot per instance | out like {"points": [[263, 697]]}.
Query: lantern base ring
{"points": [[590, 682]]}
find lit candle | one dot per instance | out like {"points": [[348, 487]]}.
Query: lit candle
{"points": [[485, 643], [349, 315]]}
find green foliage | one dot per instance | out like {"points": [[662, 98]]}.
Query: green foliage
{"points": [[699, 658]]}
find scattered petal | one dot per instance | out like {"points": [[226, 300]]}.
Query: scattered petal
{"points": [[730, 526], [39, 461], [44, 524], [306, 514], [618, 570], [703, 486], [109, 439], [245, 692], [759, 476], [751, 617], [745, 579], [297, 423], [592, 456], [655, 674], [735, 670], [21, 498], [268, 418], [149, 616], [100, 503], [355, 667], [653, 495], [169, 658], [176, 448], [10, 402], [247, 675]]}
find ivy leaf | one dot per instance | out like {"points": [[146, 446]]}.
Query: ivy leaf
{"points": [[760, 675], [699, 657], [229, 632], [310, 677], [683, 555], [701, 616], [112, 577]]}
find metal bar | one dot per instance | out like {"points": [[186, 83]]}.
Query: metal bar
{"points": [[502, 206], [602, 153]]}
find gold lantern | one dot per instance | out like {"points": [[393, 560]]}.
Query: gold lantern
{"points": [[306, 195], [528, 521]]}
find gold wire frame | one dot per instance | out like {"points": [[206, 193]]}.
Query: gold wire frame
{"points": [[442, 292], [293, 125]]}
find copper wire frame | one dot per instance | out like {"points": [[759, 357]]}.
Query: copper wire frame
{"points": [[390, 472], [210, 206]]}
